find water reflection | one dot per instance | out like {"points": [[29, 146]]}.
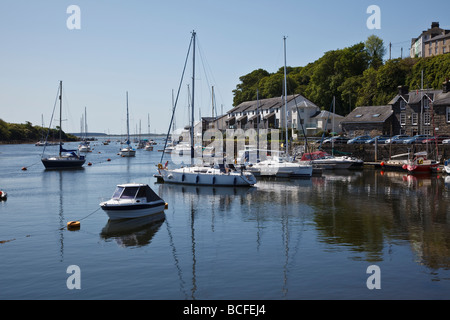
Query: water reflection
{"points": [[377, 208], [137, 232]]}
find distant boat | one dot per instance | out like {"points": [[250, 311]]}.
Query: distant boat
{"points": [[420, 163], [3, 195], [66, 159], [327, 161], [133, 200], [447, 166], [277, 167], [128, 151], [84, 146]]}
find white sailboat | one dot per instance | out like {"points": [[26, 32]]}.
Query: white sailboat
{"points": [[84, 146], [278, 166], [203, 175], [128, 151]]}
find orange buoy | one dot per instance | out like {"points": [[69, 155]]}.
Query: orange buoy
{"points": [[73, 225], [108, 159], [89, 164], [24, 168]]}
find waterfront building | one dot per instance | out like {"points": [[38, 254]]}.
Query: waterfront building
{"points": [[431, 42], [270, 113]]}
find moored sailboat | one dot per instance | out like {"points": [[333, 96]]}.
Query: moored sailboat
{"points": [[200, 174], [66, 159], [127, 151]]}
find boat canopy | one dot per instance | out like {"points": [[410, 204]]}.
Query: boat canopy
{"points": [[135, 191]]}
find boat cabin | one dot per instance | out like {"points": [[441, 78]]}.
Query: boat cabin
{"points": [[135, 191]]}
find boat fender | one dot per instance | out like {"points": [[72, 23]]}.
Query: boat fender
{"points": [[382, 164], [73, 225], [166, 205], [196, 179], [160, 166]]}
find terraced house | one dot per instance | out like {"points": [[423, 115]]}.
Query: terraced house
{"points": [[303, 114]]}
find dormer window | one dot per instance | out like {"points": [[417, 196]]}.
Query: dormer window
{"points": [[402, 104]]}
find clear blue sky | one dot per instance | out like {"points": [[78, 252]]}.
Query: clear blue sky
{"points": [[140, 46]]}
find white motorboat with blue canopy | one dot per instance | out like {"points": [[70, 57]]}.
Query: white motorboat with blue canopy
{"points": [[133, 200]]}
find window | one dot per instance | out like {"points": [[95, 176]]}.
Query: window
{"points": [[443, 49], [402, 118], [426, 103], [448, 114], [358, 116], [414, 118], [376, 115], [426, 118], [402, 104]]}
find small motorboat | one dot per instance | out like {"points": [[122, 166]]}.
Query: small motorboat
{"points": [[3, 195], [133, 200]]}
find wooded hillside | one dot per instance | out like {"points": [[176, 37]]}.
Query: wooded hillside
{"points": [[355, 76]]}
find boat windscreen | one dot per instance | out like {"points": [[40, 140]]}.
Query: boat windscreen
{"points": [[129, 193], [117, 192]]}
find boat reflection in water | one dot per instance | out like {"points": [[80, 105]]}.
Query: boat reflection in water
{"points": [[137, 232]]}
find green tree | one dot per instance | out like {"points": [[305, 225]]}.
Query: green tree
{"points": [[376, 51]]}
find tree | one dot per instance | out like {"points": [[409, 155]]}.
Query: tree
{"points": [[246, 90], [376, 50]]}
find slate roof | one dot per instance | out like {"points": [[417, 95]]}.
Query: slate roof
{"points": [[372, 114]]}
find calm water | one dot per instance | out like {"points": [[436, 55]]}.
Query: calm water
{"points": [[304, 239]]}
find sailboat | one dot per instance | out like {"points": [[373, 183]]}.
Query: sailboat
{"points": [[65, 158], [281, 166], [128, 151], [84, 145], [198, 174]]}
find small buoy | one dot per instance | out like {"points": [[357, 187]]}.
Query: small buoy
{"points": [[382, 164], [89, 164], [24, 168], [108, 159], [166, 206], [73, 224]]}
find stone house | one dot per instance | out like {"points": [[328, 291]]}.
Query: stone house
{"points": [[423, 111], [370, 120]]}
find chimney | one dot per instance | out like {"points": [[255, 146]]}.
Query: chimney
{"points": [[446, 86], [402, 90], [435, 25]]}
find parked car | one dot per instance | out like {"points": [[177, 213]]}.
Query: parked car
{"points": [[336, 139], [397, 139], [418, 138], [439, 139], [446, 141], [359, 139], [381, 139]]}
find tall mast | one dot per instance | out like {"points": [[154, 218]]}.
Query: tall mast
{"points": [[285, 101], [192, 107], [60, 116], [128, 124]]}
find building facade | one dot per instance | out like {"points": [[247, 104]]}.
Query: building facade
{"points": [[269, 113], [423, 111], [431, 42]]}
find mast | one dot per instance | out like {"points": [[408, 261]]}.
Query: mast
{"points": [[285, 100], [192, 107], [60, 116], [128, 124]]}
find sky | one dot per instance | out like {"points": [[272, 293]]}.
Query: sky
{"points": [[140, 47]]}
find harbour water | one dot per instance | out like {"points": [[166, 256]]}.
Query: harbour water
{"points": [[280, 240]]}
